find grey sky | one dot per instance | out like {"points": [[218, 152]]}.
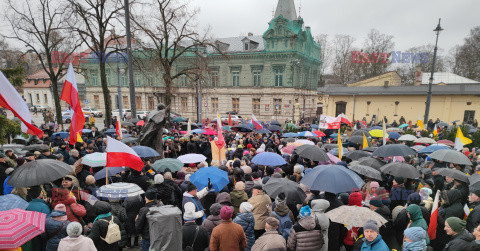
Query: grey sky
{"points": [[411, 22]]}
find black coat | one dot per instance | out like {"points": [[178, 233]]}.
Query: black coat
{"points": [[460, 242], [132, 206], [141, 224], [452, 208], [100, 228], [140, 180], [201, 242], [336, 231], [473, 218]]}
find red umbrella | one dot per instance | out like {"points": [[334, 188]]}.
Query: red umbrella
{"points": [[141, 123], [289, 148], [18, 226], [319, 133], [210, 132], [446, 142]]}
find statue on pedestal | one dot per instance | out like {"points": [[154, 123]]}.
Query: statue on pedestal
{"points": [[151, 134]]}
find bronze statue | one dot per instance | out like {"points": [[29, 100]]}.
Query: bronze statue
{"points": [[151, 134]]}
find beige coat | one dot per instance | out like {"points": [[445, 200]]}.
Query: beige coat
{"points": [[270, 240], [260, 203]]}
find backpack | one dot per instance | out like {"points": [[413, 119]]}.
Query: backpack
{"points": [[113, 232], [285, 225]]}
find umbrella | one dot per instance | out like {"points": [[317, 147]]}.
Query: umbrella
{"points": [[290, 126], [263, 131], [197, 131], [333, 135], [86, 131], [394, 135], [304, 142], [307, 134], [289, 148], [134, 120], [451, 156], [274, 122], [38, 172], [370, 149], [18, 226], [268, 159], [290, 135], [393, 150], [394, 129], [173, 164], [63, 135], [446, 142], [403, 126], [399, 169], [241, 128], [299, 149], [357, 140], [329, 146], [179, 119], [126, 123], [474, 182], [95, 159], [376, 128], [361, 132], [218, 178], [314, 126], [333, 159], [319, 133], [141, 123], [377, 133], [433, 148], [210, 132], [354, 216], [407, 137], [335, 151], [371, 162], [111, 172], [273, 127], [418, 148], [443, 124], [292, 190], [145, 151], [191, 158], [453, 173], [425, 141], [129, 140], [36, 147], [314, 153], [119, 190], [333, 179], [12, 201], [357, 154], [365, 170]]}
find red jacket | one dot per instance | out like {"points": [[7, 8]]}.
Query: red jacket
{"points": [[73, 208]]}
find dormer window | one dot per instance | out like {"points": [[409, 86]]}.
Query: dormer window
{"points": [[246, 46]]}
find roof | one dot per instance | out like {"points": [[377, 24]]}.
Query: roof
{"points": [[235, 44], [457, 89], [39, 75], [446, 78], [286, 8]]}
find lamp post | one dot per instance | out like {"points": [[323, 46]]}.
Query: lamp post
{"points": [[430, 82]]}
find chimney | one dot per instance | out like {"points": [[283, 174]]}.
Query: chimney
{"points": [[250, 34], [418, 75]]}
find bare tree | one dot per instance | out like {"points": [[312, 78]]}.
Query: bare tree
{"points": [[40, 26], [342, 65], [377, 47], [95, 29], [325, 55], [466, 58]]}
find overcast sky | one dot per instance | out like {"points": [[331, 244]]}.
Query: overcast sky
{"points": [[411, 22]]}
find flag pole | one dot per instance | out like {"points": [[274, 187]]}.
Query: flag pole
{"points": [[106, 175]]}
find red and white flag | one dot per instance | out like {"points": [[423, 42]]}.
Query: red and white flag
{"points": [[343, 118], [256, 123], [121, 155], [70, 95], [118, 129], [432, 227], [11, 100]]}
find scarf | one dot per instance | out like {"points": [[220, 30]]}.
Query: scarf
{"points": [[102, 216]]}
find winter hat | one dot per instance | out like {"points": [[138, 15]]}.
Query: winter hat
{"points": [[376, 202], [151, 194], [90, 180], [246, 207], [476, 192], [158, 179], [59, 213], [74, 229], [399, 180], [273, 222], [181, 175], [456, 224], [415, 233], [9, 171], [355, 199], [191, 187], [246, 169], [237, 163], [192, 165], [305, 211], [281, 199], [224, 199], [249, 146], [190, 212], [374, 184], [371, 225], [215, 209], [240, 186], [226, 213]]}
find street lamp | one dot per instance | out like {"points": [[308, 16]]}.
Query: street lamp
{"points": [[430, 82]]}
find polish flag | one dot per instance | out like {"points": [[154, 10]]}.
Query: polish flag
{"points": [[70, 95], [118, 129], [11, 100], [343, 118], [220, 142], [256, 123], [121, 155], [432, 227]]}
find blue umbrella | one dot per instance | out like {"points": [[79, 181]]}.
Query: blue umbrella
{"points": [[403, 125], [268, 159], [376, 127], [12, 201], [111, 172], [145, 151], [394, 135], [290, 135], [273, 127], [334, 151], [334, 135], [263, 130], [119, 190], [332, 178], [63, 135], [87, 131], [433, 148], [197, 131], [307, 134], [314, 126], [219, 178], [111, 131]]}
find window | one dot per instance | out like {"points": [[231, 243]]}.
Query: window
{"points": [[137, 79], [341, 107], [123, 80], [256, 105], [256, 78], [184, 101], [368, 108], [468, 116], [214, 105], [236, 104], [38, 98], [183, 80], [215, 78], [31, 99], [138, 102], [151, 103], [273, 44], [286, 43], [396, 108], [236, 78], [107, 76], [96, 101], [278, 106], [246, 46], [94, 80], [46, 98], [126, 105], [278, 72], [149, 79]]}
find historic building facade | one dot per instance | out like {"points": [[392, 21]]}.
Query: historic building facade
{"points": [[273, 76]]}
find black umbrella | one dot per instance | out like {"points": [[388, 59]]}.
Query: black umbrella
{"points": [[314, 153], [329, 146], [399, 169], [38, 172], [393, 150], [273, 127], [453, 173], [299, 149], [451, 156], [357, 140], [241, 128], [36, 147], [133, 120], [370, 149], [128, 123], [371, 162], [365, 170], [474, 182], [274, 122], [294, 193], [361, 132], [129, 140], [357, 154]]}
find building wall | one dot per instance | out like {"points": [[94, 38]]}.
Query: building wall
{"points": [[412, 107], [392, 77], [44, 96]]}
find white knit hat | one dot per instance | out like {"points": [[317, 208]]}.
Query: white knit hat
{"points": [[246, 207], [74, 229], [158, 179]]}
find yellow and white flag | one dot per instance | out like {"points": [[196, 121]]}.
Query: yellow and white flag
{"points": [[461, 140], [365, 141]]}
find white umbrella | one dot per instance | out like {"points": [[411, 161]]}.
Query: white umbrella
{"points": [[425, 141], [119, 190], [192, 158], [95, 159], [354, 216], [305, 142], [407, 137]]}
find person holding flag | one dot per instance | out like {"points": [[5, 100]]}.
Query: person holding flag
{"points": [[70, 95]]}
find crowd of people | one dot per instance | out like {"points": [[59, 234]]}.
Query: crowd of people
{"points": [[242, 216]]}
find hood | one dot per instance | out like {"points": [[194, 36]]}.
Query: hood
{"points": [[415, 212], [186, 194], [224, 198], [307, 222], [214, 218], [282, 209], [452, 196], [355, 199], [102, 207], [320, 205], [237, 194]]}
